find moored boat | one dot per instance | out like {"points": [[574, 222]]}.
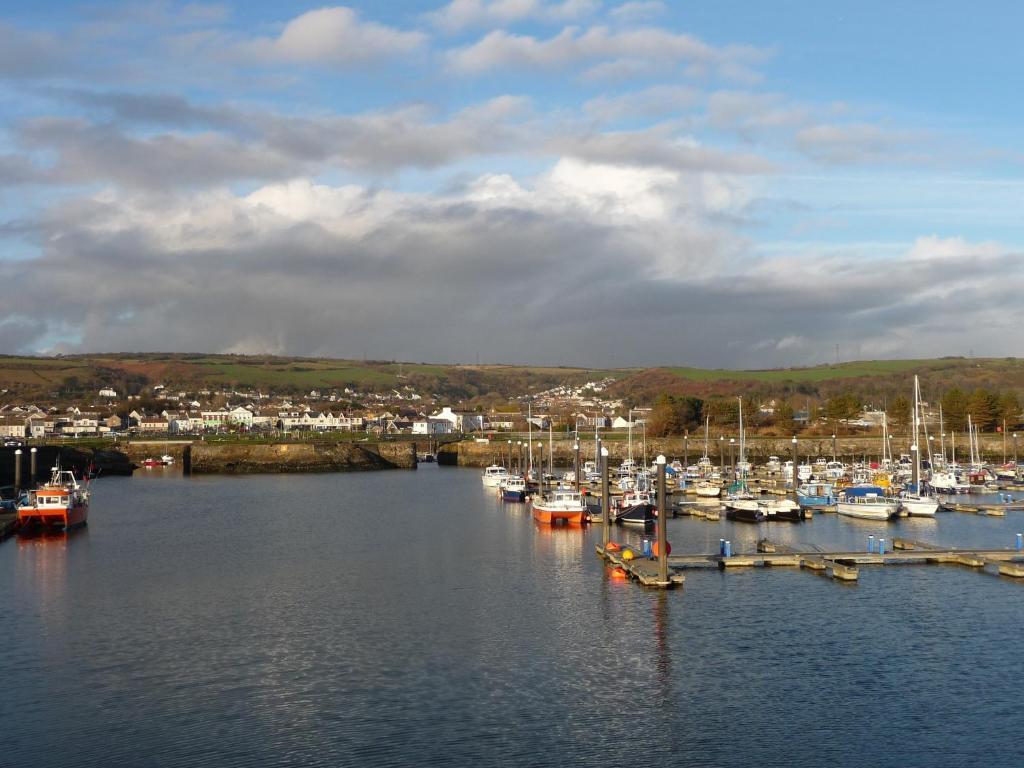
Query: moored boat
{"points": [[707, 489], [62, 502], [565, 506], [514, 489], [867, 502], [494, 475], [816, 495], [635, 508]]}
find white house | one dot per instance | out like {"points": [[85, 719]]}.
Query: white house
{"points": [[431, 427], [461, 422], [107, 392]]}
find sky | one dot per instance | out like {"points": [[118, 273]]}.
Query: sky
{"points": [[554, 182]]}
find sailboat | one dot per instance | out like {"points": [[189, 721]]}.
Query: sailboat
{"points": [[738, 491], [704, 487], [913, 501]]}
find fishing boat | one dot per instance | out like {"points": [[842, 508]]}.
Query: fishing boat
{"points": [[494, 475], [150, 462], [773, 465], [514, 489], [166, 459], [867, 502], [62, 502], [635, 508], [565, 506]]}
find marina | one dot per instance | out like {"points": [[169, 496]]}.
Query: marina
{"points": [[488, 614]]}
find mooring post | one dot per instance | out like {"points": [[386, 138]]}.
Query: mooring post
{"points": [[576, 465], [796, 466], [17, 472], [662, 523], [33, 476], [605, 501]]}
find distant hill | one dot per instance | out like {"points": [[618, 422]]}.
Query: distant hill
{"points": [[52, 378], [871, 379]]}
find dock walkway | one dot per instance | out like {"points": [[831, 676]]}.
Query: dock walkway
{"points": [[841, 565]]}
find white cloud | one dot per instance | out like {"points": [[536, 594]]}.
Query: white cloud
{"points": [[331, 36], [573, 46], [462, 14], [642, 10]]}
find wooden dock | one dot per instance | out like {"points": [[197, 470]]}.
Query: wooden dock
{"points": [[841, 566]]}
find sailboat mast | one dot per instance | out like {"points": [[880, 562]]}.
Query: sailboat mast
{"points": [[529, 440], [942, 435]]}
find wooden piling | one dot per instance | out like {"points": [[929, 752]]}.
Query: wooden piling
{"points": [[662, 524]]}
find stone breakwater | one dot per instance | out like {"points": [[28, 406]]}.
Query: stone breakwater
{"points": [[472, 454], [212, 458], [80, 460]]}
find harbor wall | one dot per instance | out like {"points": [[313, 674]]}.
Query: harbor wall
{"points": [[213, 458], [473, 454], [104, 461]]}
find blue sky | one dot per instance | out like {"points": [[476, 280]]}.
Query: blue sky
{"points": [[731, 184]]}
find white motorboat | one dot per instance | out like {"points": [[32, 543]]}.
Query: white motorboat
{"points": [[867, 502], [494, 475]]}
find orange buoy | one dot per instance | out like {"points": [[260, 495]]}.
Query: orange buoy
{"points": [[612, 546], [654, 548], [618, 573]]}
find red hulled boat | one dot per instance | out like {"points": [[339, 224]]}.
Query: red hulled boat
{"points": [[63, 502]]}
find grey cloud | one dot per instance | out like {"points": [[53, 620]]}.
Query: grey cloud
{"points": [[855, 143], [444, 279], [87, 153], [163, 109], [657, 148], [27, 54]]}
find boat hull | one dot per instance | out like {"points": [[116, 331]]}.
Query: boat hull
{"points": [[923, 507], [560, 516], [744, 514], [639, 515], [513, 496], [866, 511], [60, 517]]}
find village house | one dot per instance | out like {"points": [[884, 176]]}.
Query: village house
{"points": [[152, 423], [461, 422], [13, 426], [431, 427]]}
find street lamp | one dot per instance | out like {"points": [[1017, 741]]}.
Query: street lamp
{"points": [[833, 446], [721, 453]]}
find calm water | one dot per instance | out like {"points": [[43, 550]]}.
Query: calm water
{"points": [[409, 618]]}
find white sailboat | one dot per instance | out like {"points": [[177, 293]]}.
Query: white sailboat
{"points": [[915, 502]]}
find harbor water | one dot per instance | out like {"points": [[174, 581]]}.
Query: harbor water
{"points": [[412, 618]]}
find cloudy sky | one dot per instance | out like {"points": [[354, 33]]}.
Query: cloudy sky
{"points": [[729, 184]]}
